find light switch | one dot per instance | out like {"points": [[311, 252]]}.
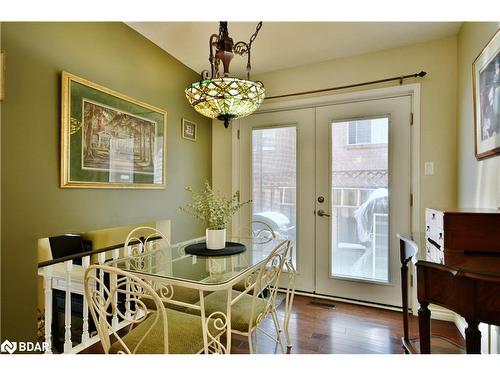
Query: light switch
{"points": [[429, 168]]}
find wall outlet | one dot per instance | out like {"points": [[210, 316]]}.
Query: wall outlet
{"points": [[429, 168]]}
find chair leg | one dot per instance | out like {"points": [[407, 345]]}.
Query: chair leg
{"points": [[256, 341], [286, 322], [250, 346], [290, 293], [278, 330]]}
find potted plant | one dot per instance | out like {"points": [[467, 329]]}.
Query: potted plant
{"points": [[215, 211]]}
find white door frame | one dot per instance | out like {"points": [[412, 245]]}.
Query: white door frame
{"points": [[412, 90]]}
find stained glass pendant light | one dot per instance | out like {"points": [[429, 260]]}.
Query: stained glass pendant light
{"points": [[220, 96]]}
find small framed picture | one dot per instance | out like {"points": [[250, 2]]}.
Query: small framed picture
{"points": [[189, 130], [486, 88]]}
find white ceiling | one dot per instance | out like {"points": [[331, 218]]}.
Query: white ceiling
{"points": [[282, 45]]}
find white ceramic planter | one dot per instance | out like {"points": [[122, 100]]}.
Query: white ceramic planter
{"points": [[216, 239]]}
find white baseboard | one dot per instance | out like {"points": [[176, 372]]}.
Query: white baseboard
{"points": [[461, 324], [440, 313], [488, 344], [354, 302]]}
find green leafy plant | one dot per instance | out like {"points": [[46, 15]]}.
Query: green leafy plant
{"points": [[211, 207]]}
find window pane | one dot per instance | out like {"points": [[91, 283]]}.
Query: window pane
{"points": [[352, 133], [274, 179], [364, 134], [360, 201], [379, 130]]}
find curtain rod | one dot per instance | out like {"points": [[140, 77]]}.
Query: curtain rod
{"points": [[400, 79]]}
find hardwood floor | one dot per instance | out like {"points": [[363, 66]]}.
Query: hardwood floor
{"points": [[330, 327], [319, 326]]}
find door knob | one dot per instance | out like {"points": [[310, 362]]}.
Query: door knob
{"points": [[323, 213]]}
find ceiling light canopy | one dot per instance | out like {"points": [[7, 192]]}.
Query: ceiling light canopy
{"points": [[224, 97]]}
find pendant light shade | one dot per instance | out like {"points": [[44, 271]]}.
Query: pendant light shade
{"points": [[220, 96], [225, 98]]}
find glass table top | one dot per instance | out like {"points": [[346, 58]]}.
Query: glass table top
{"points": [[173, 263]]}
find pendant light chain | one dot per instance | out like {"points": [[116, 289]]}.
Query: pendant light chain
{"points": [[223, 31], [252, 38]]}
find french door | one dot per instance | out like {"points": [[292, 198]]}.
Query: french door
{"points": [[277, 174], [363, 182], [336, 180]]}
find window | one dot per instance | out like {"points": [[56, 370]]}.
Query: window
{"points": [[359, 245], [367, 132], [268, 140], [274, 179]]}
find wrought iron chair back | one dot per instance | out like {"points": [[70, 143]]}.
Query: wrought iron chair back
{"points": [[103, 304], [143, 239], [264, 232], [260, 231], [263, 284]]}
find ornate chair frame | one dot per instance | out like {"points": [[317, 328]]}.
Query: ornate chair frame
{"points": [[102, 300], [267, 233], [144, 243], [266, 277]]}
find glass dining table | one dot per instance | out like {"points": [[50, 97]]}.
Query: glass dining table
{"points": [[168, 268]]}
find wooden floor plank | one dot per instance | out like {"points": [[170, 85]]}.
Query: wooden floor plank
{"points": [[343, 329], [346, 329]]}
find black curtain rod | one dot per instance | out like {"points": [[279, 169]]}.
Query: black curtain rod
{"points": [[400, 79]]}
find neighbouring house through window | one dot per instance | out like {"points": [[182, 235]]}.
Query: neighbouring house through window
{"points": [[367, 132]]}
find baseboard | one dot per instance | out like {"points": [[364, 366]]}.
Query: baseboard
{"points": [[440, 313], [437, 312], [460, 323], [354, 302]]}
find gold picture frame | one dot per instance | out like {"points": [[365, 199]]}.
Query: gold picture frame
{"points": [[110, 140], [189, 130], [2, 75], [486, 93]]}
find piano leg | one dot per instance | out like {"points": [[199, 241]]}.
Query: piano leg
{"points": [[424, 328], [473, 337]]}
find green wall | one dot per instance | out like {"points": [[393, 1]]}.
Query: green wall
{"points": [[33, 205]]}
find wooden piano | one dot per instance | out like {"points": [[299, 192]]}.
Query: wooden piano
{"points": [[459, 270]]}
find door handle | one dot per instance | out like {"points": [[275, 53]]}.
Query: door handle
{"points": [[323, 213]]}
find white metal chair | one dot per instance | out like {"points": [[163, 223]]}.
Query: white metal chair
{"points": [[155, 330], [250, 307], [143, 239], [290, 293], [258, 230], [261, 230]]}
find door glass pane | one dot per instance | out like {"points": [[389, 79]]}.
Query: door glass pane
{"points": [[274, 180], [360, 199]]}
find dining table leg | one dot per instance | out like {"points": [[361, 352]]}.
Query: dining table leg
{"points": [[204, 322], [228, 320]]}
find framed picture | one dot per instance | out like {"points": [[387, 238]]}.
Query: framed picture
{"points": [[2, 75], [109, 140], [486, 88], [189, 130]]}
